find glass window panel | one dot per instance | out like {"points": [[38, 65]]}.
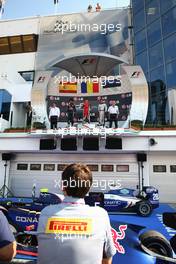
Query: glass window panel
{"points": [[93, 167], [107, 168], [158, 86], [139, 20], [4, 46], [140, 41], [172, 168], [156, 55], [159, 168], [169, 22], [27, 75], [166, 4], [5, 104], [137, 5], [152, 10], [49, 167], [122, 168], [170, 74], [29, 43], [169, 47], [157, 74], [142, 60], [61, 167], [36, 167], [22, 166], [16, 44], [154, 32], [158, 95]]}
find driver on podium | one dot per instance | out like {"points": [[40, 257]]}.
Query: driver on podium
{"points": [[73, 232]]}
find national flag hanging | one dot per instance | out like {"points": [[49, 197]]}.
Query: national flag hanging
{"points": [[111, 84], [89, 87], [68, 87]]}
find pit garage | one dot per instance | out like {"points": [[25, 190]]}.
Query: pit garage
{"points": [[162, 171], [44, 171]]}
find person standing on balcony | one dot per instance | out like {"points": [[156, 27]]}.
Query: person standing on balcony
{"points": [[113, 114], [89, 9], [54, 115], [102, 109], [98, 7], [28, 115], [71, 110]]}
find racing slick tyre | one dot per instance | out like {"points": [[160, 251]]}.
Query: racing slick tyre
{"points": [[157, 243], [144, 208]]}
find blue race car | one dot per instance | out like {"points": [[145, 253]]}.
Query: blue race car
{"points": [[132, 242], [129, 200], [23, 213]]}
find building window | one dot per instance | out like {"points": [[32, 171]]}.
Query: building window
{"points": [[154, 32], [172, 168], [5, 104], [159, 168], [142, 60], [158, 95], [167, 4], [122, 168], [152, 10], [169, 47], [107, 168], [158, 75], [169, 22], [156, 56], [137, 5], [170, 74], [49, 167], [27, 75], [4, 46], [22, 166], [18, 44], [93, 167], [35, 167], [139, 20], [61, 167], [140, 42]]}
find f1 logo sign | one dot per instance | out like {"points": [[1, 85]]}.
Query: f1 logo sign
{"points": [[119, 236], [135, 74]]}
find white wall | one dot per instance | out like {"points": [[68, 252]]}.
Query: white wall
{"points": [[19, 115], [19, 26], [164, 181], [11, 64]]}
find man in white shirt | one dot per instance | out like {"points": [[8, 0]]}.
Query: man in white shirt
{"points": [[113, 111], [54, 115]]}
